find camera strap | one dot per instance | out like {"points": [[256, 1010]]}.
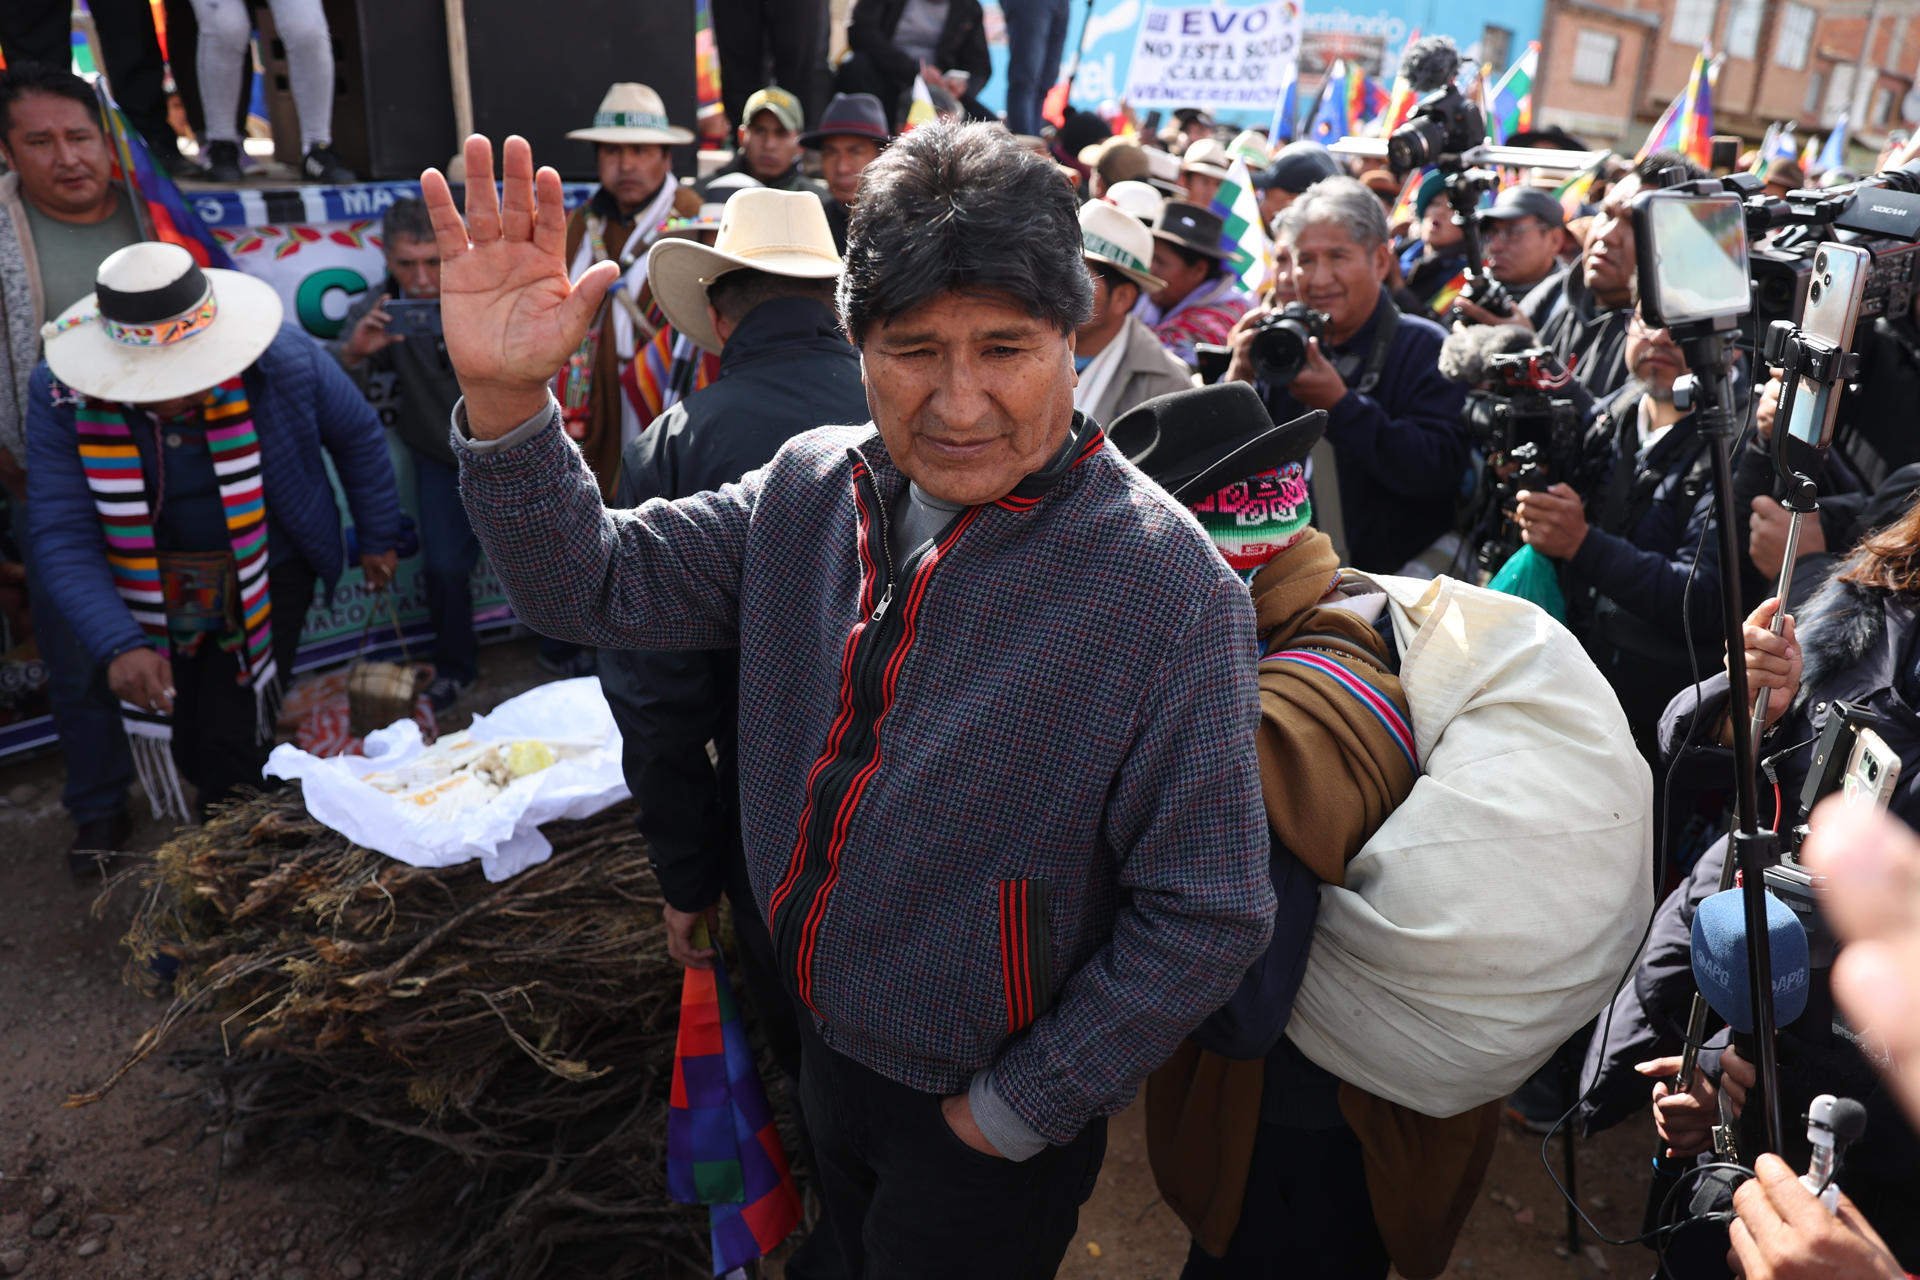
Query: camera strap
{"points": [[1376, 362]]}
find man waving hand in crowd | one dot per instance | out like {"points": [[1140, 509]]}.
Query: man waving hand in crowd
{"points": [[989, 953]]}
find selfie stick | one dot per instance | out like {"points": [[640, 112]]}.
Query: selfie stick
{"points": [[1709, 346], [1796, 355]]}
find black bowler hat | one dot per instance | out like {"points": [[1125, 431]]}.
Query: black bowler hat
{"points": [[1190, 227], [1552, 136], [859, 115], [1196, 443]]}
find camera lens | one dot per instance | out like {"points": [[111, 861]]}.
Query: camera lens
{"points": [[1813, 292], [1820, 260], [1873, 770]]}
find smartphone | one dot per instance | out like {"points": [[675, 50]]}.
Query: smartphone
{"points": [[414, 319], [1834, 295], [1692, 257], [1872, 770]]}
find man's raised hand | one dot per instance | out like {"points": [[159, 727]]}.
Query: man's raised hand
{"points": [[509, 314]]}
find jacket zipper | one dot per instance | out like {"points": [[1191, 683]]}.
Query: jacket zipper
{"points": [[852, 755]]}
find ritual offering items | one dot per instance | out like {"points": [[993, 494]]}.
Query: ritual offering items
{"points": [[500, 1054]]}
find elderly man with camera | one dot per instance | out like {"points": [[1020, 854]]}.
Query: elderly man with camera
{"points": [[901, 593], [1399, 451]]}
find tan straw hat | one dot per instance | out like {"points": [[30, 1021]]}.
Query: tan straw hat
{"points": [[1111, 235], [784, 233], [632, 113], [1209, 157], [158, 327]]}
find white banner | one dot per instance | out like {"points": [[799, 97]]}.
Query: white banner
{"points": [[1218, 56]]}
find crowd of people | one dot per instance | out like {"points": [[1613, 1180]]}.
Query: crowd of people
{"points": [[829, 461]]}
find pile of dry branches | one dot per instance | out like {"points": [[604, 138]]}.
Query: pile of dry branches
{"points": [[507, 1047]]}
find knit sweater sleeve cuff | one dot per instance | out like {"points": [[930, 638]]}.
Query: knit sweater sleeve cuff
{"points": [[464, 441], [999, 1124]]}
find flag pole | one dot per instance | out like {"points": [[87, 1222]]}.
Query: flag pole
{"points": [[1080, 47], [123, 153], [462, 87]]}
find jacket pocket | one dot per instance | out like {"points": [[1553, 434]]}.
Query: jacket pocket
{"points": [[1026, 953]]}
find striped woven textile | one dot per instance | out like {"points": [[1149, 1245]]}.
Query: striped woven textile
{"points": [[111, 461]]}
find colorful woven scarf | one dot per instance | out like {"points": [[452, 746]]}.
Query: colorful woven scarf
{"points": [[111, 461]]}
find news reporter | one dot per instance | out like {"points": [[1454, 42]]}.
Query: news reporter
{"points": [[1394, 423]]}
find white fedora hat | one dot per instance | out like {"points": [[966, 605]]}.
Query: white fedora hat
{"points": [[1111, 235], [784, 233], [1207, 156], [1141, 199], [158, 327], [632, 113]]}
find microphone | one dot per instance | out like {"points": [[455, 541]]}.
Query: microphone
{"points": [[1466, 354], [1833, 1125], [1431, 63], [1720, 959]]}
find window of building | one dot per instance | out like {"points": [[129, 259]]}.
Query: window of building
{"points": [[1594, 53], [1495, 44], [1882, 106], [1816, 91], [1793, 39], [1693, 21], [1839, 92], [1743, 28]]}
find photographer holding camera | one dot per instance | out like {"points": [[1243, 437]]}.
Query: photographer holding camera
{"points": [[1630, 543], [1398, 446]]}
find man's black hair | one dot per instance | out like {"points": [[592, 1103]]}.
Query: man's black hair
{"points": [[1194, 258], [737, 293], [963, 209], [405, 219], [1656, 163], [17, 82], [1114, 276]]}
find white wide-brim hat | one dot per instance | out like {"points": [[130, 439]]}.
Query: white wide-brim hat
{"points": [[632, 113], [158, 327], [784, 233], [1111, 235]]}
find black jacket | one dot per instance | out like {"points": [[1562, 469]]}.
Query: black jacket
{"points": [[962, 45], [786, 369], [1589, 339], [1629, 579], [1859, 647]]}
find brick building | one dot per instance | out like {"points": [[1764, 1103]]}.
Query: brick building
{"points": [[1607, 70]]}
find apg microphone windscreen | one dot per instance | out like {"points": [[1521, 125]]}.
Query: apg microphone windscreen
{"points": [[1430, 63], [1720, 959], [1466, 354]]}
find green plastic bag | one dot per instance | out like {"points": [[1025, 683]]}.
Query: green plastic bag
{"points": [[1531, 576]]}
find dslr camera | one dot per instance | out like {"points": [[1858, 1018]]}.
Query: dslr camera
{"points": [[1531, 437], [1279, 349]]}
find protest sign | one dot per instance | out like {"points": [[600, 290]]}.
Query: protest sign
{"points": [[1214, 56]]}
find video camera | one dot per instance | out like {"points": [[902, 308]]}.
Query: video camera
{"points": [[1444, 122], [1525, 419]]}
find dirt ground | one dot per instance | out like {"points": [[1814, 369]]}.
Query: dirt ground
{"points": [[130, 1188]]}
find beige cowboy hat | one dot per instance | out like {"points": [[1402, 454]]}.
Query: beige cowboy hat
{"points": [[158, 326], [1111, 235], [1209, 157], [632, 113], [784, 233]]}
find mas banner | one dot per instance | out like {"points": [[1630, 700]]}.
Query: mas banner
{"points": [[1213, 56]]}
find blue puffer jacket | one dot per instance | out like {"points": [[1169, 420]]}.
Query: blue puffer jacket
{"points": [[301, 404]]}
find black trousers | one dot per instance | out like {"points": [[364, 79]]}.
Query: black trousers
{"points": [[1306, 1213], [907, 1198], [860, 74], [38, 31], [788, 38], [215, 746]]}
